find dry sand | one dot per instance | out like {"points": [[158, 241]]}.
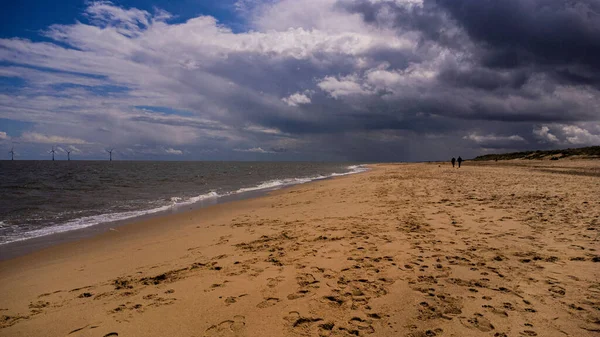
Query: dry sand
{"points": [[496, 249]]}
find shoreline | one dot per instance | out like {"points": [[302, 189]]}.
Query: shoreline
{"points": [[19, 248], [401, 250], [22, 247]]}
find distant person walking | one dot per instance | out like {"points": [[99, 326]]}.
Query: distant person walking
{"points": [[459, 161], [453, 161]]}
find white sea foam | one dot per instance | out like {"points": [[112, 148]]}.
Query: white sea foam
{"points": [[176, 202], [279, 183], [274, 184]]}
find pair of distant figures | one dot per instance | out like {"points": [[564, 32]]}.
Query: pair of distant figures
{"points": [[454, 161]]}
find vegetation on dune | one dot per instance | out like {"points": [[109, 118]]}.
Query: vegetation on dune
{"points": [[590, 152]]}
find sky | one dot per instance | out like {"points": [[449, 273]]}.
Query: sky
{"points": [[325, 80]]}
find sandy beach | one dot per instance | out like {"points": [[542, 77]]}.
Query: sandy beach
{"points": [[491, 249]]}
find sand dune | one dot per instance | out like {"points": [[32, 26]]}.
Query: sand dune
{"points": [[492, 249]]}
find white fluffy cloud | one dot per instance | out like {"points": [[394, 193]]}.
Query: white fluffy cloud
{"points": [[486, 139], [345, 86], [254, 150], [34, 137], [263, 130], [4, 136], [580, 136], [584, 134], [544, 134], [174, 151], [296, 99]]}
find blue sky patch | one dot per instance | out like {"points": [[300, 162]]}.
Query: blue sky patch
{"points": [[52, 70], [13, 127], [99, 90], [164, 110], [9, 85], [29, 18]]}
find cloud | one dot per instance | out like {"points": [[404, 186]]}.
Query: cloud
{"points": [[174, 151], [59, 149], [254, 150], [580, 136], [537, 27], [4, 136], [34, 137], [544, 134], [263, 130], [495, 141], [150, 150], [296, 99], [352, 79], [486, 138], [344, 86], [74, 149]]}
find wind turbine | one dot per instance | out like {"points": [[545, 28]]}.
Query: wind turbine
{"points": [[12, 153], [52, 153], [110, 154], [69, 155]]}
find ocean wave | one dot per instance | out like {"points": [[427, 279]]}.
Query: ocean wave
{"points": [[279, 183], [93, 220], [175, 203]]}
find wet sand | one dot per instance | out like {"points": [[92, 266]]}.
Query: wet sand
{"points": [[492, 249]]}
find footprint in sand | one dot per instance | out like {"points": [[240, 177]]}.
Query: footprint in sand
{"points": [[299, 294], [479, 323], [306, 280], [233, 327], [233, 299], [557, 291], [333, 300], [83, 329], [268, 302], [426, 333], [362, 325], [297, 321], [273, 282]]}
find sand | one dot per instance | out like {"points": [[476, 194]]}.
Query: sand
{"points": [[492, 249]]}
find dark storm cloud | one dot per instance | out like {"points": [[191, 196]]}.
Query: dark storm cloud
{"points": [[431, 20], [543, 31], [483, 78], [561, 37], [508, 49]]}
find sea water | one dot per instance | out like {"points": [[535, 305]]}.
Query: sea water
{"points": [[39, 198]]}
